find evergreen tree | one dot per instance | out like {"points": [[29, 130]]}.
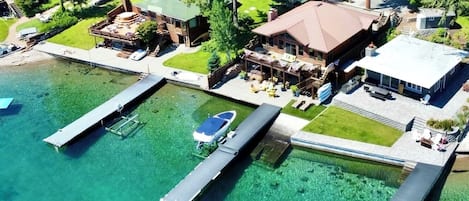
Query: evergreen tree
{"points": [[213, 62], [223, 32]]}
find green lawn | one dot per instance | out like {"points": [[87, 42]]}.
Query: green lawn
{"points": [[40, 26], [195, 62], [344, 124], [260, 11], [309, 114], [4, 27], [77, 35], [463, 21]]}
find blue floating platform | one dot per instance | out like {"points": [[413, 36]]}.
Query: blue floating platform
{"points": [[5, 103]]}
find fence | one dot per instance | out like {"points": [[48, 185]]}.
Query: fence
{"points": [[217, 75]]}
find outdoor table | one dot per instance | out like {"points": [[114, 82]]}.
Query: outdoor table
{"points": [[379, 90]]}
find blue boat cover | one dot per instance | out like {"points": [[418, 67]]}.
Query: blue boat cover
{"points": [[226, 115], [211, 126]]}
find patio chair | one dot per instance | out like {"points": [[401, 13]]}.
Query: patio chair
{"points": [[308, 102], [426, 134], [425, 99], [298, 102], [416, 135]]}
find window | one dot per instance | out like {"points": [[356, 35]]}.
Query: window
{"points": [[413, 87], [177, 23], [193, 23], [311, 53], [263, 40], [280, 44], [290, 48], [300, 50], [271, 42]]}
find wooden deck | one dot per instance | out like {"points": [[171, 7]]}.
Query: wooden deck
{"points": [[90, 119], [253, 126]]}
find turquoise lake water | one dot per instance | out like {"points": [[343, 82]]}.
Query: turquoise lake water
{"points": [[147, 164], [99, 166]]}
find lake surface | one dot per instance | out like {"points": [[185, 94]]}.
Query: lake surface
{"points": [[99, 166]]}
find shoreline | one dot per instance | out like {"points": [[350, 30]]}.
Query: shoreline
{"points": [[22, 58]]}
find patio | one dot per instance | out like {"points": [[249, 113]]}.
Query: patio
{"points": [[403, 109]]}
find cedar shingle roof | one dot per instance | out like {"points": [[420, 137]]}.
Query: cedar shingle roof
{"points": [[319, 25]]}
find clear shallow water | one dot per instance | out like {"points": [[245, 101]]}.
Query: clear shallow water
{"points": [[99, 166], [306, 175]]}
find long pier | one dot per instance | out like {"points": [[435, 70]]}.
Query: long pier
{"points": [[90, 119], [208, 170]]}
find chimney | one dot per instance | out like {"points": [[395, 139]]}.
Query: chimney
{"points": [[368, 4], [370, 50], [272, 14], [127, 5]]}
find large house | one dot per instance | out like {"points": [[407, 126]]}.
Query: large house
{"points": [[412, 66], [182, 23], [303, 45]]}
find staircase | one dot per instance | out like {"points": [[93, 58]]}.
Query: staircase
{"points": [[418, 124], [16, 11], [406, 170], [370, 115]]}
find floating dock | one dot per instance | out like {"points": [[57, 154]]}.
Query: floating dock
{"points": [[113, 105], [208, 170]]}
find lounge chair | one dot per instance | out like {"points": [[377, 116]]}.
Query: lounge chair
{"points": [[305, 106], [416, 135], [425, 99], [298, 102]]}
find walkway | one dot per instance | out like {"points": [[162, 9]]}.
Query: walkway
{"points": [[404, 149], [121, 100], [235, 88]]}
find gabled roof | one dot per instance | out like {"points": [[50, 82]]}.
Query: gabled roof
{"points": [[171, 8], [413, 60], [319, 25]]}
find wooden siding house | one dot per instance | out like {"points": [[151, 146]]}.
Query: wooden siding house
{"points": [[184, 24], [304, 45]]}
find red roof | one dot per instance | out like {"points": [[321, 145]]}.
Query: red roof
{"points": [[319, 25]]}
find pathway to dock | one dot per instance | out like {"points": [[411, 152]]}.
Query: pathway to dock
{"points": [[195, 182], [90, 119]]}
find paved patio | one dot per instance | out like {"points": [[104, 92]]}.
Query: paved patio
{"points": [[403, 109]]}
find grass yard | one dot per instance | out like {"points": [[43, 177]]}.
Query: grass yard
{"points": [[4, 27], [348, 125], [259, 14], [40, 26], [463, 21], [77, 35], [194, 62], [309, 114]]}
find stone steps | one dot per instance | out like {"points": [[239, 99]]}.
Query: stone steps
{"points": [[418, 124], [370, 115]]}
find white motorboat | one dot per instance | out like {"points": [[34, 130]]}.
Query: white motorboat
{"points": [[214, 127], [137, 55]]}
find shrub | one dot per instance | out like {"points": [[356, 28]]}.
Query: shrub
{"points": [[445, 124], [209, 46], [62, 20]]}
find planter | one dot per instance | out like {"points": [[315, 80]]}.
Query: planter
{"points": [[450, 135]]}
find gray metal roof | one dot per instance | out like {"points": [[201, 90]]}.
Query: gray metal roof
{"points": [[171, 8]]}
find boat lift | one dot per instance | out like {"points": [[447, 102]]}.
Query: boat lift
{"points": [[125, 126]]}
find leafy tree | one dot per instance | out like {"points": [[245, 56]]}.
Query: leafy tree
{"points": [[223, 32], [206, 5], [147, 31], [213, 62]]}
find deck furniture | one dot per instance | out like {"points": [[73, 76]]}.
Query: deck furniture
{"points": [[425, 99]]}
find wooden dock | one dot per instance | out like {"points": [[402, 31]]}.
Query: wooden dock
{"points": [[208, 170], [113, 105]]}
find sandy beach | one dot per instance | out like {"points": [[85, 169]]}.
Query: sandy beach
{"points": [[21, 58]]}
